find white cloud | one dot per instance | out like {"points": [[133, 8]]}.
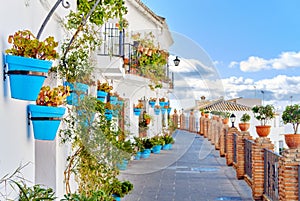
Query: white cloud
{"points": [[280, 87], [283, 61]]}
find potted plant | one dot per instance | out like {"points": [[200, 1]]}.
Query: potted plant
{"points": [[147, 144], [169, 140], [162, 102], [46, 114], [244, 126], [156, 109], [102, 90], [138, 108], [157, 142], [76, 66], [108, 111], [291, 115], [28, 61], [264, 114], [147, 118], [119, 189], [225, 116], [152, 102]]}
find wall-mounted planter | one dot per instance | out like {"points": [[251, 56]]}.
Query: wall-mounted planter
{"points": [[156, 149], [113, 100], [152, 103], [101, 95], [120, 102], [161, 104], [78, 91], [163, 110], [137, 111], [26, 76], [156, 111], [169, 110], [45, 120], [108, 114]]}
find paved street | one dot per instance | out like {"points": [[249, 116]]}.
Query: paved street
{"points": [[191, 171]]}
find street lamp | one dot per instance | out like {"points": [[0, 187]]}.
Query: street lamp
{"points": [[232, 119], [176, 61]]}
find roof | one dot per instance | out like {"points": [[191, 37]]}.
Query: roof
{"points": [[221, 105]]}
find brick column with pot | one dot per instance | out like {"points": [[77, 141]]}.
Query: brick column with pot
{"points": [[229, 145], [224, 130], [240, 164], [258, 147], [288, 175]]}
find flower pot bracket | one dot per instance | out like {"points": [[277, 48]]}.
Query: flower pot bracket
{"points": [[22, 72]]}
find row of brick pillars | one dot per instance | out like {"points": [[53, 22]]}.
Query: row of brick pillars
{"points": [[221, 136]]}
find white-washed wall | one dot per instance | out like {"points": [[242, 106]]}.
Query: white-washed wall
{"points": [[17, 145]]}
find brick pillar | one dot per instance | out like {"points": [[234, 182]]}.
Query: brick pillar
{"points": [[209, 133], [218, 135], [192, 122], [175, 119], [229, 145], [182, 121], [240, 164], [201, 122], [288, 174], [224, 130], [258, 147], [213, 131], [206, 127]]}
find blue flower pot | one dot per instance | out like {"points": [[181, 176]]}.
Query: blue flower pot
{"points": [[108, 114], [166, 146], [101, 95], [156, 111], [146, 153], [78, 91], [122, 165], [163, 110], [116, 198], [152, 103], [161, 104], [115, 113], [120, 102], [26, 76], [138, 156], [113, 100], [169, 110], [45, 120], [137, 111], [156, 149]]}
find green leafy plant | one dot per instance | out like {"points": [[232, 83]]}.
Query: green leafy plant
{"points": [[291, 115], [264, 113], [168, 139], [245, 118], [25, 44], [157, 140], [53, 97], [119, 188], [103, 86], [34, 193]]}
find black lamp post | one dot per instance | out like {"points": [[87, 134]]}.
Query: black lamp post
{"points": [[232, 119], [176, 61]]}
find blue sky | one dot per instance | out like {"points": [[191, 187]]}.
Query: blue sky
{"points": [[255, 45]]}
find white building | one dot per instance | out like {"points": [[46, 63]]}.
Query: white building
{"points": [[47, 159]]}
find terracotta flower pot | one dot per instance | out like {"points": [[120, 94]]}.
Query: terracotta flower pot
{"points": [[292, 140], [263, 131], [148, 121], [244, 126], [225, 121], [206, 115]]}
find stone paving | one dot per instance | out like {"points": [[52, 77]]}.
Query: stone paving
{"points": [[191, 171]]}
